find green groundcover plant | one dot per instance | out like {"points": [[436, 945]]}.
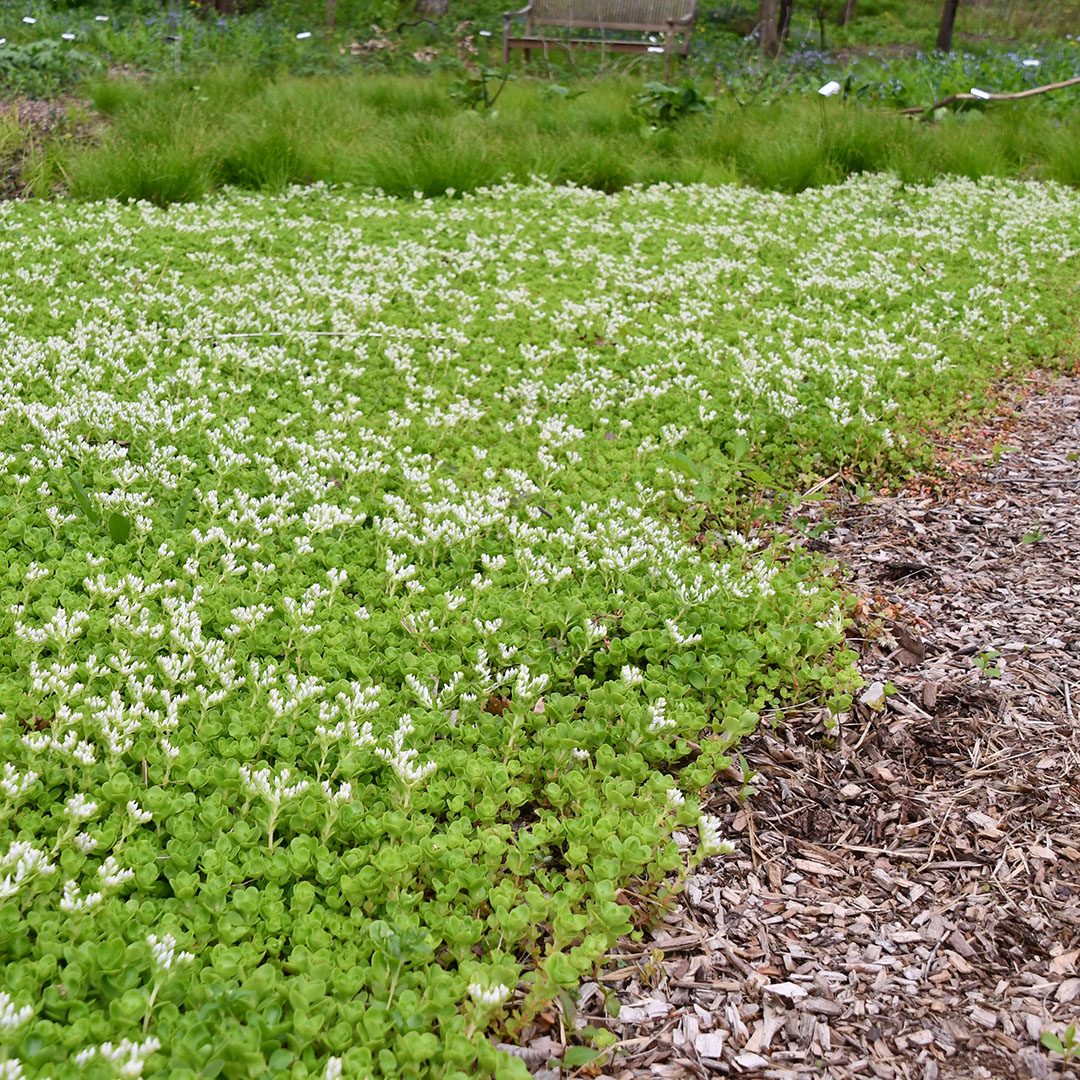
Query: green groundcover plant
{"points": [[374, 602]]}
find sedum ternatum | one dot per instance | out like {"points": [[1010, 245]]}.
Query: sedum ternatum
{"points": [[438, 603]]}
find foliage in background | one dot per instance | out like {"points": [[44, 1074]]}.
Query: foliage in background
{"points": [[69, 42]]}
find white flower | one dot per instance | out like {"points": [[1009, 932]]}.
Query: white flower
{"points": [[274, 788], [13, 783], [678, 636], [632, 676], [164, 952], [658, 718], [24, 861], [127, 1058], [675, 798], [137, 814], [342, 795], [113, 874], [528, 687], [84, 842], [71, 900], [490, 996], [712, 842], [10, 1017], [400, 759], [79, 807], [333, 1069]]}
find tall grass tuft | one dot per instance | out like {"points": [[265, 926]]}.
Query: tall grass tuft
{"points": [[174, 139]]}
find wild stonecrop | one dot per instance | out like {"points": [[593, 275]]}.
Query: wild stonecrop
{"points": [[431, 620]]}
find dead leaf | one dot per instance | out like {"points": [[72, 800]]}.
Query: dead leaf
{"points": [[1066, 962], [497, 705]]}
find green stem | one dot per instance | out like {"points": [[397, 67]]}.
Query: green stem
{"points": [[150, 1007]]}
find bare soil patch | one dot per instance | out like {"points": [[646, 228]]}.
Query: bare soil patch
{"points": [[905, 897], [61, 118]]}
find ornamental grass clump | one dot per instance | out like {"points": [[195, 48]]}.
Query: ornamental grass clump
{"points": [[439, 606]]}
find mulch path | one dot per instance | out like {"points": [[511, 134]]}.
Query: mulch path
{"points": [[904, 901]]}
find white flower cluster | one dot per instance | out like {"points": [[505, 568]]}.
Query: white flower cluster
{"points": [[128, 1058], [22, 863], [163, 951], [275, 788], [491, 996], [402, 759], [711, 835], [10, 1016]]}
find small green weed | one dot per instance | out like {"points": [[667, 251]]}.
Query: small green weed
{"points": [[664, 106], [1067, 1044], [480, 87]]}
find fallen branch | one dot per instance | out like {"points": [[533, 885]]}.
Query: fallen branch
{"points": [[952, 98]]}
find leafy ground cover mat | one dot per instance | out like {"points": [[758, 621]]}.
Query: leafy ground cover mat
{"points": [[374, 593]]}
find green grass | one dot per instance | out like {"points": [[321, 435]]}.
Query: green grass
{"points": [[176, 140]]}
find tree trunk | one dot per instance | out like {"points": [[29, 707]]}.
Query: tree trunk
{"points": [[331, 14], [948, 20], [783, 22], [770, 41], [845, 15]]}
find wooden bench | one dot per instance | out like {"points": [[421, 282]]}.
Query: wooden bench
{"points": [[558, 23]]}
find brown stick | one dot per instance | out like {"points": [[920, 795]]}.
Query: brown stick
{"points": [[991, 97]]}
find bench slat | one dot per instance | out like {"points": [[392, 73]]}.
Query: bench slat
{"points": [[650, 13], [580, 24], [615, 45]]}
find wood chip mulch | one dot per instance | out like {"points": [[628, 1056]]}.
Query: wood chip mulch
{"points": [[904, 901]]}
